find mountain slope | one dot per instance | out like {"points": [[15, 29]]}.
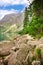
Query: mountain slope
{"points": [[10, 25], [12, 19]]}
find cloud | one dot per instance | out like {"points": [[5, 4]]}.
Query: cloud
{"points": [[5, 12], [7, 3], [12, 2]]}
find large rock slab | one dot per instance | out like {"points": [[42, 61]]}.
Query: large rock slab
{"points": [[19, 57]]}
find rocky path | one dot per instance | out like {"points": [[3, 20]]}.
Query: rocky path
{"points": [[18, 50]]}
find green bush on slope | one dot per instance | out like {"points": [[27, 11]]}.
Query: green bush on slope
{"points": [[34, 28]]}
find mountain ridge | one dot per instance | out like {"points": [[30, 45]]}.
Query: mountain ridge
{"points": [[12, 19]]}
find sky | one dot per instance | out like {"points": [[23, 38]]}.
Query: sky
{"points": [[12, 6]]}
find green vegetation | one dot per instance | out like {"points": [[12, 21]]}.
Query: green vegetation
{"points": [[33, 22], [8, 32], [34, 26], [37, 53], [2, 37]]}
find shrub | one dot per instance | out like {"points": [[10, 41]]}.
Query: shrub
{"points": [[34, 28], [37, 53]]}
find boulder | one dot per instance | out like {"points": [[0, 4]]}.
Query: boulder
{"points": [[4, 52], [36, 62], [1, 63]]}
